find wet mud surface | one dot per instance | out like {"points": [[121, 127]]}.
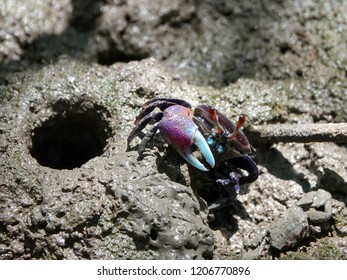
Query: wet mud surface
{"points": [[73, 76]]}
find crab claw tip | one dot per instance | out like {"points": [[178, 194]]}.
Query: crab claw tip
{"points": [[201, 143], [193, 161]]}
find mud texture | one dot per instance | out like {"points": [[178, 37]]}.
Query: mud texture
{"points": [[73, 76]]}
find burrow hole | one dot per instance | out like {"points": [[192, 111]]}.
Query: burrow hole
{"points": [[112, 56], [154, 234], [71, 137]]}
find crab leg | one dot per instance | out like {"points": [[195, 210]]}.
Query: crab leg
{"points": [[149, 135], [171, 100], [161, 103], [181, 132], [246, 162], [142, 123]]}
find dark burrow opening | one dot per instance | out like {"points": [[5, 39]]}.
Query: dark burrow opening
{"points": [[154, 234], [110, 57], [69, 139]]}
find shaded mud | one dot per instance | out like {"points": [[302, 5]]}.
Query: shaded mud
{"points": [[73, 76]]}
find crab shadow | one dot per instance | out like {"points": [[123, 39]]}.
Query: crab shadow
{"points": [[205, 189], [280, 167], [204, 185]]}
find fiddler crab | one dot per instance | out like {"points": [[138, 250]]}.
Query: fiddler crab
{"points": [[221, 142]]}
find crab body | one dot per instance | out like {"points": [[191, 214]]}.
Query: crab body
{"points": [[221, 142]]}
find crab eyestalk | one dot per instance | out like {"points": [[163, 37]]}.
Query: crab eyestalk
{"points": [[213, 114], [240, 122]]}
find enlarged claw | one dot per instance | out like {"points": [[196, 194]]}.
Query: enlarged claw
{"points": [[181, 132], [201, 143]]}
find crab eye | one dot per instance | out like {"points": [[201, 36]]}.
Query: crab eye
{"points": [[241, 121]]}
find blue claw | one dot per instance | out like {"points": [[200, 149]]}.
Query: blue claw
{"points": [[205, 150], [201, 143], [188, 156]]}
